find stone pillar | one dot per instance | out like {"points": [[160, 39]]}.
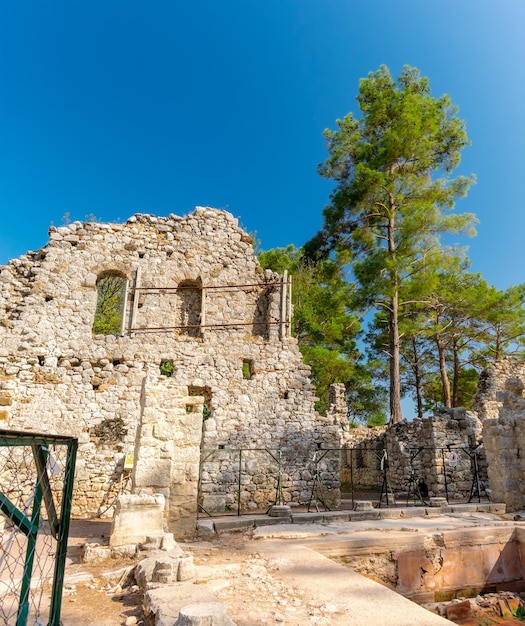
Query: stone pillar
{"points": [[167, 450]]}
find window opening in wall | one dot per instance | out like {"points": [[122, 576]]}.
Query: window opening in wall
{"points": [[48, 298], [110, 304], [166, 368], [189, 305], [41, 360], [261, 314], [205, 392], [247, 369], [189, 408]]}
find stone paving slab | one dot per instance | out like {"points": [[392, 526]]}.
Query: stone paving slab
{"points": [[356, 599], [397, 514]]}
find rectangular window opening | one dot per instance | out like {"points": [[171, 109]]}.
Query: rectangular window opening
{"points": [[247, 369]]}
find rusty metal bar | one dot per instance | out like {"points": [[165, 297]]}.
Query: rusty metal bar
{"points": [[199, 287], [232, 324]]}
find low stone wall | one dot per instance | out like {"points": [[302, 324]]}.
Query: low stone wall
{"points": [[361, 460], [448, 565], [437, 453], [434, 454]]}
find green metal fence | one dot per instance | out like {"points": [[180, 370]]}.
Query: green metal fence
{"points": [[36, 486]]}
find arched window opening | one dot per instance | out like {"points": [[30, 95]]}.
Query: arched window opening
{"points": [[111, 292], [189, 297]]}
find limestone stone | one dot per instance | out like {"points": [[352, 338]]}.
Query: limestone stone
{"points": [[196, 299], [204, 614], [137, 516]]}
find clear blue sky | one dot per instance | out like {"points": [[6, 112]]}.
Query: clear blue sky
{"points": [[108, 108]]}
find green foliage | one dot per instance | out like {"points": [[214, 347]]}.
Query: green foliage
{"points": [[110, 305], [393, 192], [519, 613], [454, 323], [247, 370], [167, 368], [326, 328], [433, 389]]}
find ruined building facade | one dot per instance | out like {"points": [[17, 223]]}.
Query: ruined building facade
{"points": [[500, 403], [201, 366]]}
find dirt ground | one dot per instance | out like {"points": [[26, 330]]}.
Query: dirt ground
{"points": [[240, 574], [241, 579]]}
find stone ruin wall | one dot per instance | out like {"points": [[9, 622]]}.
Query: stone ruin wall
{"points": [[495, 430], [361, 458], [418, 450], [56, 377], [438, 450], [500, 402], [500, 389]]}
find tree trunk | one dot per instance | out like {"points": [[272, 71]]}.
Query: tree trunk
{"points": [[455, 377], [395, 376], [395, 382], [417, 378], [497, 344], [445, 384]]}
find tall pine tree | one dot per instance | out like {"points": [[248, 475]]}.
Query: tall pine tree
{"points": [[393, 193]]}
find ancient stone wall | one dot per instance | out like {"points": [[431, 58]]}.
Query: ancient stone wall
{"points": [[196, 306], [434, 454], [501, 403], [361, 462], [439, 451], [500, 387]]}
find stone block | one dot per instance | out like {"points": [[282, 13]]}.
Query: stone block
{"points": [[362, 516], [409, 572], [483, 508], [464, 508], [214, 503], [136, 518], [205, 527], [390, 513], [417, 511], [280, 510], [333, 516], [266, 520], [458, 610], [363, 505], [204, 614], [308, 518], [152, 473], [234, 523]]}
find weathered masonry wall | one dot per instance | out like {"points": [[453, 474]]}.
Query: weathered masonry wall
{"points": [[196, 302], [440, 451], [500, 401], [500, 389]]}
